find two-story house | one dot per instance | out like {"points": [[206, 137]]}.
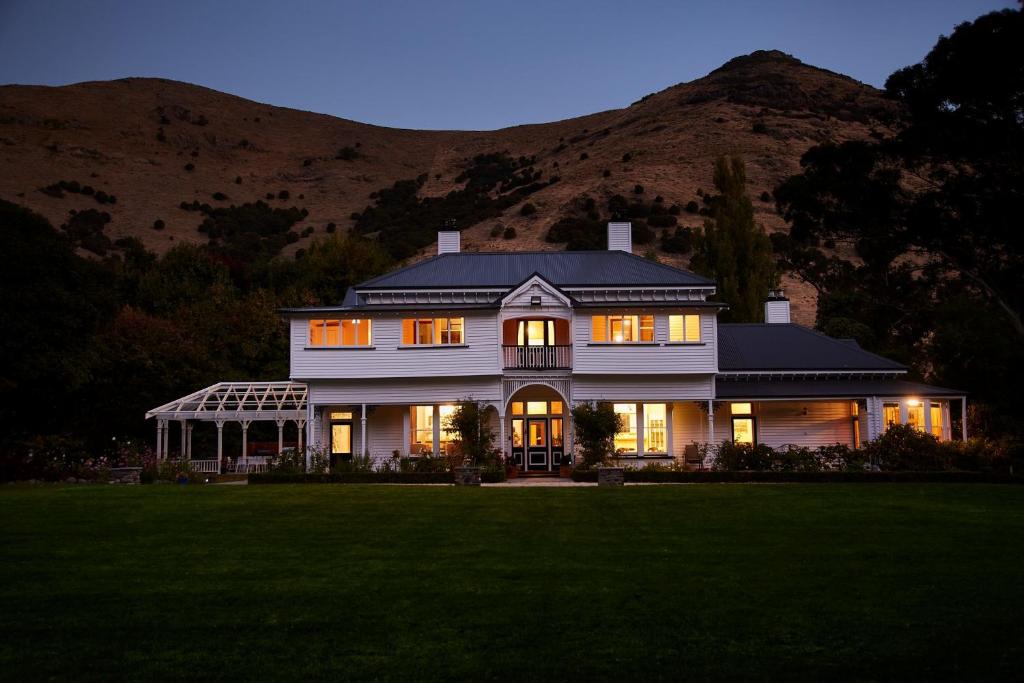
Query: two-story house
{"points": [[532, 333]]}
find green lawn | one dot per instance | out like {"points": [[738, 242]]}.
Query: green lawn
{"points": [[386, 582]]}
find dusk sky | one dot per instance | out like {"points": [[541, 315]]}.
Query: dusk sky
{"points": [[465, 65]]}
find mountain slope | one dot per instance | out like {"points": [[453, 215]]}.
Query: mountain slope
{"points": [[154, 144]]}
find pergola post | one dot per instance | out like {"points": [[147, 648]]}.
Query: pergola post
{"points": [[963, 418], [501, 421], [220, 446], [167, 439], [245, 437], [188, 432], [362, 435], [280, 436], [184, 439]]}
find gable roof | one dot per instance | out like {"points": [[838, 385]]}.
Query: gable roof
{"points": [[560, 268], [789, 347], [827, 388]]}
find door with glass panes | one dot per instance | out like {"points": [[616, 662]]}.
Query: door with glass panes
{"points": [[538, 435], [341, 437]]}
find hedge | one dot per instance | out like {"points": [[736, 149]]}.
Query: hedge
{"points": [[353, 478], [710, 477]]}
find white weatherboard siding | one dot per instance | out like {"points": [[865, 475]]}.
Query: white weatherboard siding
{"points": [[641, 388], [405, 391], [657, 357], [388, 358], [785, 422], [689, 425], [523, 297]]}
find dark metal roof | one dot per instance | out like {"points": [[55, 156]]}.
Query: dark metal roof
{"points": [[788, 347], [560, 268], [827, 388]]}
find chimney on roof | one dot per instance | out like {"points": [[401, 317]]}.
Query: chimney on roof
{"points": [[448, 242], [776, 307], [620, 237]]}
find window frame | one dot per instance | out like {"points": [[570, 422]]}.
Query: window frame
{"points": [[636, 324], [440, 328], [358, 324], [685, 328]]}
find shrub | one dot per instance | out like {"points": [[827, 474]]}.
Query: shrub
{"points": [[638, 189], [759, 127], [510, 233], [238, 180], [733, 456], [219, 196], [331, 227], [492, 474], [283, 194], [765, 196], [606, 173], [158, 224], [641, 233], [674, 210], [904, 448], [692, 206], [528, 209], [662, 221], [595, 429], [190, 167], [678, 242], [160, 135], [347, 153], [497, 230], [627, 157], [584, 156], [470, 422]]}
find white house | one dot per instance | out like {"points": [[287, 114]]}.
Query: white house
{"points": [[532, 333]]}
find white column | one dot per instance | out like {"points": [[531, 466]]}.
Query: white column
{"points": [[501, 430], [159, 440], [669, 446], [903, 411], [220, 446], [437, 429], [406, 431], [362, 434], [245, 437], [300, 429], [280, 435], [711, 422], [927, 403], [188, 431], [167, 439], [963, 418], [184, 440], [640, 430]]}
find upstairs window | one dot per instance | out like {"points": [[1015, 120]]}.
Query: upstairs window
{"points": [[684, 328], [622, 329], [433, 331], [339, 333]]}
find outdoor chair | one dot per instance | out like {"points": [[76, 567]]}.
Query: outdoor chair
{"points": [[691, 456]]}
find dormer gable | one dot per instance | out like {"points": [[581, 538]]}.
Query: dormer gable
{"points": [[536, 293]]}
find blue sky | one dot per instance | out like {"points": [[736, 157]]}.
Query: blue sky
{"points": [[465, 65]]}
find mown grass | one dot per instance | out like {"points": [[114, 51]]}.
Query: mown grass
{"points": [[886, 581]]}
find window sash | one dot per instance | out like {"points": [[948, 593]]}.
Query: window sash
{"points": [[433, 331], [339, 333], [684, 328], [655, 428], [626, 439], [622, 329]]}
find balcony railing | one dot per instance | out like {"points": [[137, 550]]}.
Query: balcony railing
{"points": [[538, 357]]}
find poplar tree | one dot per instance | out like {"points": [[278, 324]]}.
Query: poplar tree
{"points": [[734, 250]]}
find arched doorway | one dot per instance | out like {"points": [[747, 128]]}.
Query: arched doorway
{"points": [[538, 426]]}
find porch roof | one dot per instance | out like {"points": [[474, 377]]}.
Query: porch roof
{"points": [[238, 401], [827, 388]]}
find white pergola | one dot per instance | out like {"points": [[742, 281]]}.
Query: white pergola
{"points": [[241, 402]]}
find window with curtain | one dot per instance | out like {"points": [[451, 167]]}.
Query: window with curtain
{"points": [[684, 328], [655, 428], [622, 329], [433, 331], [339, 333], [422, 429], [626, 439], [936, 411]]}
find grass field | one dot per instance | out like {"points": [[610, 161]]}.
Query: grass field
{"points": [[886, 581]]}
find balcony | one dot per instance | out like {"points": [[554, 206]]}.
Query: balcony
{"points": [[537, 357]]}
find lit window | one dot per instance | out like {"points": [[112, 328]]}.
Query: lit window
{"points": [[517, 407], [339, 332], [422, 430], [684, 328], [655, 428], [740, 409], [915, 415], [535, 332], [937, 421], [622, 329], [341, 416], [890, 414], [625, 440], [433, 331], [556, 407], [536, 407], [447, 437], [743, 430]]}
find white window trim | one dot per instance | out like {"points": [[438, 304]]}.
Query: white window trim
{"points": [[310, 346], [433, 333], [608, 329]]}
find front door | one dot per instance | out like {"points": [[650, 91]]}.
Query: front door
{"points": [[538, 445], [341, 441]]}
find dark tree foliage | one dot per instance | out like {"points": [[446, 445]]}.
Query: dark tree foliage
{"points": [[733, 249], [90, 344], [679, 241], [934, 216]]}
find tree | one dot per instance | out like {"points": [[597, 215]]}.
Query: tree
{"points": [[733, 249], [472, 426], [595, 428], [933, 216]]}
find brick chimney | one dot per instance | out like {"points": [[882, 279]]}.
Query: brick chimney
{"points": [[620, 237], [776, 307]]}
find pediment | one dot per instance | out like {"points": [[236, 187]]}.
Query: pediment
{"points": [[523, 295]]}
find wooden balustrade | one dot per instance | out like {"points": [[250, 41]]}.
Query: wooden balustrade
{"points": [[538, 357]]}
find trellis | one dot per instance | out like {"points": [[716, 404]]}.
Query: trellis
{"points": [[241, 402]]}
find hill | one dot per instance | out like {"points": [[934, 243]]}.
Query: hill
{"points": [[155, 145]]}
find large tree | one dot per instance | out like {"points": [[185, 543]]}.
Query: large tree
{"points": [[733, 249], [931, 216]]}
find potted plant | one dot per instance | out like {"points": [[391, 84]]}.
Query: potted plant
{"points": [[474, 437]]}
